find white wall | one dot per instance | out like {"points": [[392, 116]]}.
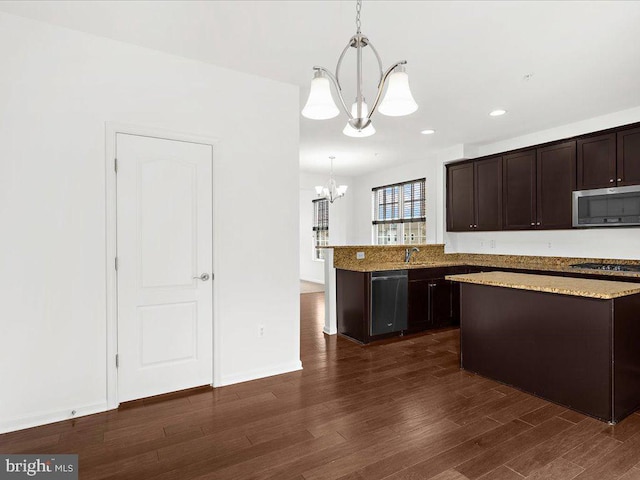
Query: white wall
{"points": [[57, 89], [310, 269], [360, 226]]}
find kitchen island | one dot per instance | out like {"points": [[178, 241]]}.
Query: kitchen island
{"points": [[573, 341]]}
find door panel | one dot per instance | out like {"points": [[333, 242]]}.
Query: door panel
{"points": [[169, 333], [629, 157], [556, 172], [165, 216], [418, 305], [172, 260], [519, 192], [460, 210], [488, 194], [596, 162]]}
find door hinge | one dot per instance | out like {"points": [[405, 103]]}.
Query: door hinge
{"points": [[115, 165], [117, 360], [116, 263]]}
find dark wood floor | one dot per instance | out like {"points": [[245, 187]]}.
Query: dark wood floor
{"points": [[401, 410]]}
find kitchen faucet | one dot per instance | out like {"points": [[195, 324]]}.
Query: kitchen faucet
{"points": [[407, 253]]}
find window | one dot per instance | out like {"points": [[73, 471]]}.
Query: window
{"points": [[399, 213], [320, 227]]}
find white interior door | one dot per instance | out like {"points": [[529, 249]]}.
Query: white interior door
{"points": [[165, 267]]}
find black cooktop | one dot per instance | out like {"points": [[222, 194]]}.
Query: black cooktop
{"points": [[614, 267]]}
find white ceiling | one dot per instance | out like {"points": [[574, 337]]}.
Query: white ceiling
{"points": [[464, 59]]}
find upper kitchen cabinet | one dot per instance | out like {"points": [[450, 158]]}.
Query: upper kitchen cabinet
{"points": [[596, 162], [628, 164], [611, 160], [460, 203], [556, 180], [519, 190], [488, 194], [474, 195], [538, 185]]}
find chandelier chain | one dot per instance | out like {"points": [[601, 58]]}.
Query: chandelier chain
{"points": [[358, 8]]}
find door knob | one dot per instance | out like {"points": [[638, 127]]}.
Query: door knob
{"points": [[204, 277]]}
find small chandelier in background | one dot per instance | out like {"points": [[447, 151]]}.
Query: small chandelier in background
{"points": [[332, 190], [397, 102]]}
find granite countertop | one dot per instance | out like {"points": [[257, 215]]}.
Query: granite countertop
{"points": [[382, 266], [580, 287], [390, 257]]}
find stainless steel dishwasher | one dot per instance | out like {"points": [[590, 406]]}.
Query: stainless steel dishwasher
{"points": [[388, 301]]}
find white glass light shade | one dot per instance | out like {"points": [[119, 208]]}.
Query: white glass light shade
{"points": [[320, 104], [398, 100], [319, 189], [342, 189], [349, 131]]}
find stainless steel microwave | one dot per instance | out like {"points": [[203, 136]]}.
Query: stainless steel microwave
{"points": [[607, 207]]}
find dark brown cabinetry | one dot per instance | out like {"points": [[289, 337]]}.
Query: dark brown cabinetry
{"points": [[611, 160], [537, 186], [596, 162], [488, 193], [460, 192], [433, 301], [589, 362], [475, 195], [556, 180], [536, 183], [519, 190], [628, 157], [353, 304]]}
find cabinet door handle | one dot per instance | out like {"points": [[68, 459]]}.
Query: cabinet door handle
{"points": [[532, 224], [619, 179], [470, 226], [475, 226], [538, 223], [611, 180]]}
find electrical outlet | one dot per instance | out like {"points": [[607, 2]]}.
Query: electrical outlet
{"points": [[359, 255], [549, 245], [262, 330], [493, 244]]}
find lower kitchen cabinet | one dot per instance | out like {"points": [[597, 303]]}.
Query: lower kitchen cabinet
{"points": [[376, 305], [353, 292], [425, 299], [433, 301]]}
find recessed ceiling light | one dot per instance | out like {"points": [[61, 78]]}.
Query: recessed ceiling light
{"points": [[497, 112], [427, 132]]}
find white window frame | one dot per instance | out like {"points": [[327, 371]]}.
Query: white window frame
{"points": [[402, 221], [320, 237]]}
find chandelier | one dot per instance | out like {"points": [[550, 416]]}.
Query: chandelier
{"points": [[332, 190], [397, 101]]}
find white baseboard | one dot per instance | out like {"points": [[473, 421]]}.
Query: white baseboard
{"points": [[313, 280], [260, 373], [332, 331], [50, 417]]}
